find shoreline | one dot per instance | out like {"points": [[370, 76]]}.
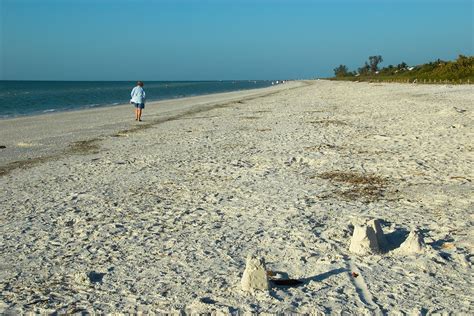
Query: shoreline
{"points": [[45, 136], [94, 105]]}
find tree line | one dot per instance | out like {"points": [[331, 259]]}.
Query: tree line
{"points": [[461, 68]]}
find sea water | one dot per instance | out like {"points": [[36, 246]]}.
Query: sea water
{"points": [[18, 98]]}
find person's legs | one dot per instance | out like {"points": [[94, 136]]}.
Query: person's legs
{"points": [[139, 114], [136, 110]]}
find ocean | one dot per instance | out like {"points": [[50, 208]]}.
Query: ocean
{"points": [[19, 98]]}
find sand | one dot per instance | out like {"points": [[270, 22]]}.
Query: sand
{"points": [[100, 213]]}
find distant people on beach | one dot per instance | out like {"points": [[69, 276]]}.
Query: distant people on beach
{"points": [[138, 99]]}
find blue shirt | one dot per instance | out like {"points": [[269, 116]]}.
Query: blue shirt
{"points": [[138, 95]]}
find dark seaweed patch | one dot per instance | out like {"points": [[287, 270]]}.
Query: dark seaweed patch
{"points": [[365, 187]]}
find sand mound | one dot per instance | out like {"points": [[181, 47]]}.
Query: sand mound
{"points": [[413, 244], [255, 275], [364, 240], [368, 237]]}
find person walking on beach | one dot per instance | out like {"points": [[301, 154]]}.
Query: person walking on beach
{"points": [[138, 99]]}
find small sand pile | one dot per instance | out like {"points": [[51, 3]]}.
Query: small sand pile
{"points": [[255, 275], [368, 237], [413, 244]]}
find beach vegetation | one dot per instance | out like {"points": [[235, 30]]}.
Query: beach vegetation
{"points": [[374, 62], [364, 70], [460, 70], [341, 71]]}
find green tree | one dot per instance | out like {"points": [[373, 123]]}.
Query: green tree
{"points": [[364, 70], [341, 71], [403, 65], [374, 62]]}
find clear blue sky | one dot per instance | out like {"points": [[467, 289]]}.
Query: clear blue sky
{"points": [[225, 39]]}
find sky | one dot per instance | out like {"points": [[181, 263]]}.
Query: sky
{"points": [[225, 39]]}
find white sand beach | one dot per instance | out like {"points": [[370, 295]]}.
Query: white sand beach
{"points": [[103, 214]]}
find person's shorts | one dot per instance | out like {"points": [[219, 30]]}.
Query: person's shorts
{"points": [[139, 105]]}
